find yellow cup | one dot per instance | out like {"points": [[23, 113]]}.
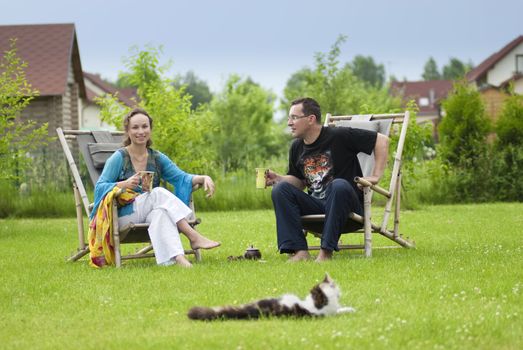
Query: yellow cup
{"points": [[147, 180], [261, 177]]}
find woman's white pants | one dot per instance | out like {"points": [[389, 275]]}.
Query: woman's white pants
{"points": [[161, 209]]}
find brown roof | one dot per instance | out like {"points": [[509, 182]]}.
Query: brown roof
{"points": [[125, 96], [434, 90], [486, 65], [49, 50]]}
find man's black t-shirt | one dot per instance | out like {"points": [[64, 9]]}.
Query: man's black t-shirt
{"points": [[333, 155]]}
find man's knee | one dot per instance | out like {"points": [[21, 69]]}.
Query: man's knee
{"points": [[341, 185], [280, 189]]}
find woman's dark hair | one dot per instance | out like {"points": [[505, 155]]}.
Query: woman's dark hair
{"points": [[135, 111], [309, 106]]}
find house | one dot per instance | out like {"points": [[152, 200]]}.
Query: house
{"points": [[54, 69], [492, 76], [66, 93], [427, 95], [96, 87]]}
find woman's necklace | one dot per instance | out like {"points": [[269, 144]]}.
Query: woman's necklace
{"points": [[139, 161], [140, 158]]}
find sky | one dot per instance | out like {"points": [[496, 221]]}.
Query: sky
{"points": [[269, 40]]}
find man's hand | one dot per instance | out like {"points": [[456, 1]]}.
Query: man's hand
{"points": [[271, 178], [372, 179]]}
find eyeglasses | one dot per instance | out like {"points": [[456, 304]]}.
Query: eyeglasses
{"points": [[296, 117]]}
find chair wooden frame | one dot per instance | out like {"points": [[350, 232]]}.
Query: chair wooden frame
{"points": [[393, 194], [131, 233]]}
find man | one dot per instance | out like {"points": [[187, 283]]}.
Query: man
{"points": [[325, 161]]}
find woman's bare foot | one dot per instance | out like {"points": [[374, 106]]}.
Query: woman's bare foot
{"points": [[197, 240], [324, 255], [202, 242], [182, 261], [300, 255]]}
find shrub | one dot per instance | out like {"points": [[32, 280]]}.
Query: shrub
{"points": [[509, 127], [464, 128]]}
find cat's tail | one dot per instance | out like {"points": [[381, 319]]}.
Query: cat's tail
{"points": [[227, 312]]}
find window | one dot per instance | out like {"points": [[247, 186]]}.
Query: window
{"points": [[519, 63], [423, 101]]}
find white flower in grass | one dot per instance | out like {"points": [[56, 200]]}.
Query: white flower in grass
{"points": [[336, 334]]}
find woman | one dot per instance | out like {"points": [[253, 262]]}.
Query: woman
{"points": [[162, 210]]}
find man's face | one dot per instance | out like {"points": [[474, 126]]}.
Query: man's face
{"points": [[297, 121]]}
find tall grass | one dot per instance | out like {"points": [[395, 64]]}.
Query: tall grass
{"points": [[234, 193], [460, 289], [44, 202]]}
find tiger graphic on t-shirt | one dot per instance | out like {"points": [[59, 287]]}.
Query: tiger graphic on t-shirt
{"points": [[317, 169]]}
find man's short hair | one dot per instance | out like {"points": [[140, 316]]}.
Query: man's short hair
{"points": [[309, 106]]}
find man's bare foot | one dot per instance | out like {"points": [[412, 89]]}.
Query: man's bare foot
{"points": [[201, 242], [324, 255], [182, 261], [300, 255]]}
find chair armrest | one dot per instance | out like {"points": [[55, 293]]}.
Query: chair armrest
{"points": [[375, 188]]}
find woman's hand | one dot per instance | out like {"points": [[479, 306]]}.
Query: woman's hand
{"points": [[206, 182], [130, 183]]}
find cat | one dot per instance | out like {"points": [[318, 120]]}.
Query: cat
{"points": [[323, 300]]}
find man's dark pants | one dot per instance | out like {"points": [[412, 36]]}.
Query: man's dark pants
{"points": [[290, 203]]}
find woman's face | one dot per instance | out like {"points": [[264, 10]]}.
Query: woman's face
{"points": [[139, 129]]}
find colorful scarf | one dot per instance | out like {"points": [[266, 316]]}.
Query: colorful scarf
{"points": [[101, 242]]}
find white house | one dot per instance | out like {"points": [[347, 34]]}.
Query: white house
{"points": [[95, 86], [493, 75]]}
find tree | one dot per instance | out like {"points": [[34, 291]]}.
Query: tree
{"points": [[510, 123], [368, 71], [430, 71], [246, 132], [455, 69], [195, 87], [507, 158], [176, 131], [464, 128], [17, 137], [336, 88], [123, 82]]}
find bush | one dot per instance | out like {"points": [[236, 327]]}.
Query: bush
{"points": [[509, 127], [464, 128], [18, 138]]}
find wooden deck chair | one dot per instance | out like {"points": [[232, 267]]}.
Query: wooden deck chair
{"points": [[96, 147], [381, 123]]}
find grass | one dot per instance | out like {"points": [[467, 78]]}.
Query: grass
{"points": [[234, 192], [460, 289]]}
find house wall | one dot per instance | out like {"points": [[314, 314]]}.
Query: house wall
{"points": [[518, 87], [45, 109], [505, 68], [70, 110], [493, 100], [91, 118], [91, 111]]}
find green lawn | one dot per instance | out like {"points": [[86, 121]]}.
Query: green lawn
{"points": [[462, 288]]}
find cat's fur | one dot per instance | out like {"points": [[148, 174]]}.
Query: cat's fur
{"points": [[322, 300]]}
